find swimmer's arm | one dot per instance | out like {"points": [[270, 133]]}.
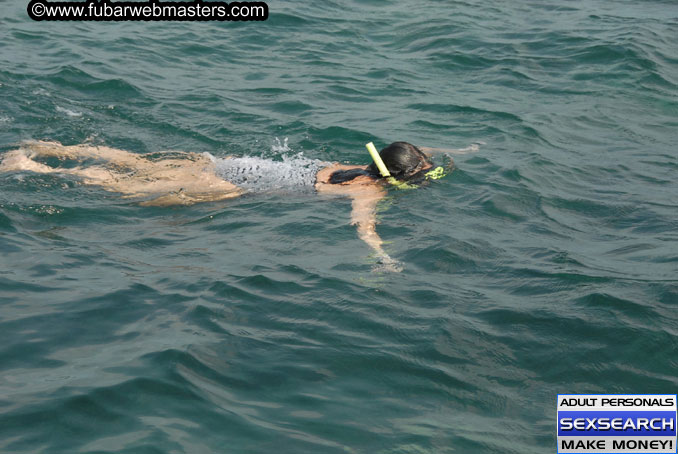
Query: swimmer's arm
{"points": [[365, 193], [430, 151], [364, 217]]}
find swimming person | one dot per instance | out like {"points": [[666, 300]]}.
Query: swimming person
{"points": [[184, 178]]}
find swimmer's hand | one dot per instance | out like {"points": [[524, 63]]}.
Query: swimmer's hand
{"points": [[387, 264], [473, 148]]}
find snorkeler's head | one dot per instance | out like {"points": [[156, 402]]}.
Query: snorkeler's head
{"points": [[403, 160]]}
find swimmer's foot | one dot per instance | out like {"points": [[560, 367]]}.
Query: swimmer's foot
{"points": [[18, 160], [387, 264]]}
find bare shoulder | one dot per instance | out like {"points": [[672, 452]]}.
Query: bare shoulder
{"points": [[323, 175], [360, 186]]}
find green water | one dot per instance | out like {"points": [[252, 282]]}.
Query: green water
{"points": [[545, 263]]}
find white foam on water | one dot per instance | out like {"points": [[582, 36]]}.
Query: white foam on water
{"points": [[260, 174], [279, 147], [70, 113]]}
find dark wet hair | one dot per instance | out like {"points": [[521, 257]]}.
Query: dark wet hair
{"points": [[341, 176], [403, 160]]}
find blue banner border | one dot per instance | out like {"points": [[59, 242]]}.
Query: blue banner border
{"points": [[628, 394]]}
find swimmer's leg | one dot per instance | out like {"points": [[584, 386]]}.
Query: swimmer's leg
{"points": [[21, 160], [182, 197], [80, 152], [176, 181], [18, 160], [120, 160]]}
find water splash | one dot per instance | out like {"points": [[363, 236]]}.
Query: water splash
{"points": [[280, 148], [261, 174], [68, 112]]}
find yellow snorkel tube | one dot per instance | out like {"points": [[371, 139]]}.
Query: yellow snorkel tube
{"points": [[434, 174], [377, 160], [384, 171]]}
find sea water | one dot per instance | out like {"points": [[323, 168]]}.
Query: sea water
{"points": [[545, 263]]}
